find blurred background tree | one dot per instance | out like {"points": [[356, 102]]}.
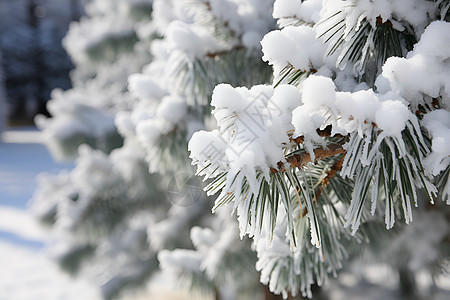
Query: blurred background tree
{"points": [[34, 61], [3, 103], [124, 206]]}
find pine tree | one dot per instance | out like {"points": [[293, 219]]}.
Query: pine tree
{"points": [[34, 62], [3, 103], [316, 156]]}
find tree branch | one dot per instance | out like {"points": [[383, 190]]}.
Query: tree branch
{"points": [[300, 160]]}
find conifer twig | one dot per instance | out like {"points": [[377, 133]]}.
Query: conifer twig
{"points": [[301, 159]]}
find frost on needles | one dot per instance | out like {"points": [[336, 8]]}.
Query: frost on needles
{"points": [[357, 116]]}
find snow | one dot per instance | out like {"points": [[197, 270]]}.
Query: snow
{"points": [[249, 122], [185, 31], [29, 275], [415, 12], [106, 22], [297, 46], [29, 228], [164, 12], [164, 287], [76, 120], [303, 10], [364, 102], [177, 220], [425, 70], [434, 40], [172, 108], [203, 138], [276, 259], [88, 33], [248, 141], [347, 112], [94, 170], [180, 259], [244, 16], [182, 36], [149, 131], [214, 245], [318, 91], [144, 86], [392, 117], [438, 125]]}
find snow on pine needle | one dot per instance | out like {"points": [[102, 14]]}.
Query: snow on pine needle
{"points": [[383, 141], [248, 142]]}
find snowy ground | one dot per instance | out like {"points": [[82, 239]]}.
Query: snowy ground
{"points": [[26, 273]]}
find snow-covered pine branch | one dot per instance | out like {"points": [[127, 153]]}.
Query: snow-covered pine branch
{"points": [[376, 108]]}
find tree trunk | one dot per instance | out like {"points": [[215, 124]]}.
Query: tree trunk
{"points": [[217, 293], [75, 10], [408, 284]]}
